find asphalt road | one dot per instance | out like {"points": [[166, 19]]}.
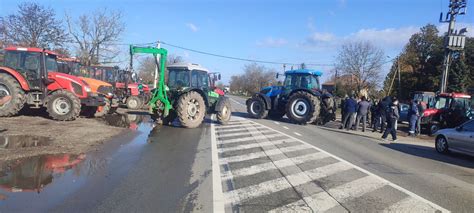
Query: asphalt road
{"points": [[253, 166]]}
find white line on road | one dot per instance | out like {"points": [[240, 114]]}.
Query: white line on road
{"points": [[256, 155], [277, 123], [367, 172], [248, 132], [409, 204], [248, 138], [297, 134], [254, 145], [217, 195], [285, 127]]}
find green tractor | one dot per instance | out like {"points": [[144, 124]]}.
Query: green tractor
{"points": [[188, 94]]}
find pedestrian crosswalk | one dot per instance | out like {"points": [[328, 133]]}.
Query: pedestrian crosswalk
{"points": [[262, 169]]}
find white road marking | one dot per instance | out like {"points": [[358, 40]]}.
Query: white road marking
{"points": [[248, 132], [327, 170], [409, 204], [249, 192], [356, 188], [277, 123], [234, 126], [255, 155], [295, 207], [297, 134], [237, 129], [285, 127], [254, 145], [218, 199], [249, 138]]}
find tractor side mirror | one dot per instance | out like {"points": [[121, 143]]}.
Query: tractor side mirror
{"points": [[219, 77]]}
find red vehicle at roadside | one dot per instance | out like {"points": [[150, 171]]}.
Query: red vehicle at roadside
{"points": [[449, 111], [29, 76]]}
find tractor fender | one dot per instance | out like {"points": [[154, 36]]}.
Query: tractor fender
{"points": [[221, 103], [266, 99], [23, 83]]}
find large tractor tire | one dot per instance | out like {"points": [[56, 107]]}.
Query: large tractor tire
{"points": [[303, 108], [223, 116], [102, 110], [134, 102], [62, 105], [256, 108], [9, 86], [191, 109]]}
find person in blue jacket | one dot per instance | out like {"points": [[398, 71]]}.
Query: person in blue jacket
{"points": [[350, 109], [413, 115]]}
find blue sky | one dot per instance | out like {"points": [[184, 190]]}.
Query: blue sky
{"points": [[280, 30]]}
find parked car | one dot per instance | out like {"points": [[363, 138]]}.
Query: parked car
{"points": [[404, 113], [460, 138]]}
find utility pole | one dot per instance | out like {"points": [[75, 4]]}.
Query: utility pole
{"points": [[399, 78], [453, 41]]}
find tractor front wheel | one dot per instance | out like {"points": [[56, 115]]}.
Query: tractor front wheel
{"points": [[256, 108], [62, 105], [191, 109], [303, 108], [11, 94], [223, 116], [134, 102]]}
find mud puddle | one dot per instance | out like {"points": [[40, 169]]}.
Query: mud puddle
{"points": [[22, 141], [46, 180]]}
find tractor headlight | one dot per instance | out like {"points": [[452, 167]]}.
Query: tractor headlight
{"points": [[87, 88]]}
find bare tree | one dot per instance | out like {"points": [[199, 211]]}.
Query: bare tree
{"points": [[34, 26], [95, 34], [254, 78], [362, 60], [146, 68]]}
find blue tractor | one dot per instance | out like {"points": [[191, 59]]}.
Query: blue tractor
{"points": [[300, 98]]}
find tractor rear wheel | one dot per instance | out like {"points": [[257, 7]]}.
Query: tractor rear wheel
{"points": [[134, 102], [11, 89], [303, 108], [62, 105], [223, 116], [102, 110], [256, 108], [191, 109]]}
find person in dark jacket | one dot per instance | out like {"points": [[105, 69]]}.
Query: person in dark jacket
{"points": [[350, 109], [383, 106], [413, 115], [421, 109], [362, 110], [375, 116], [392, 116]]}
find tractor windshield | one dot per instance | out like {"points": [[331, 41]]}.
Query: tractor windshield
{"points": [[454, 103], [178, 78], [310, 82], [51, 64]]}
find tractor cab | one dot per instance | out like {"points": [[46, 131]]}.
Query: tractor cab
{"points": [[302, 79], [186, 75], [424, 97]]}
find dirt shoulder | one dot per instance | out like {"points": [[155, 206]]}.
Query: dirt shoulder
{"points": [[26, 136]]}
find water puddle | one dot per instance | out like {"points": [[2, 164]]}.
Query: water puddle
{"points": [[34, 173], [22, 141], [129, 120]]}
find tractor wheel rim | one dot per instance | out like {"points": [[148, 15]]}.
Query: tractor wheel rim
{"points": [[4, 91], [193, 109], [255, 108], [61, 106], [133, 103], [225, 111], [441, 144], [300, 107]]}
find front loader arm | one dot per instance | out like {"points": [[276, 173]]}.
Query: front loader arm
{"points": [[159, 94]]}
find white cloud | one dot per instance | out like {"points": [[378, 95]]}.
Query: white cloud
{"points": [[192, 27], [386, 38], [470, 27], [272, 42]]}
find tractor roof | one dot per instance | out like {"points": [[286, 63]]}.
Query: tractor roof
{"points": [[305, 71], [188, 66], [455, 95], [30, 49]]}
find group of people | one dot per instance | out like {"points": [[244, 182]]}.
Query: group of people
{"points": [[384, 115]]}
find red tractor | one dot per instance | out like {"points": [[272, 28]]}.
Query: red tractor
{"points": [[449, 110], [29, 76], [128, 86]]}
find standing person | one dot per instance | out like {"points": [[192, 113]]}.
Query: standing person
{"points": [[421, 109], [350, 109], [413, 115], [374, 124], [363, 109], [343, 110], [392, 117], [382, 108]]}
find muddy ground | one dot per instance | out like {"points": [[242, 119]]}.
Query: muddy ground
{"points": [[26, 136]]}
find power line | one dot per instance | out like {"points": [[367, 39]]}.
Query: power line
{"points": [[241, 59]]}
